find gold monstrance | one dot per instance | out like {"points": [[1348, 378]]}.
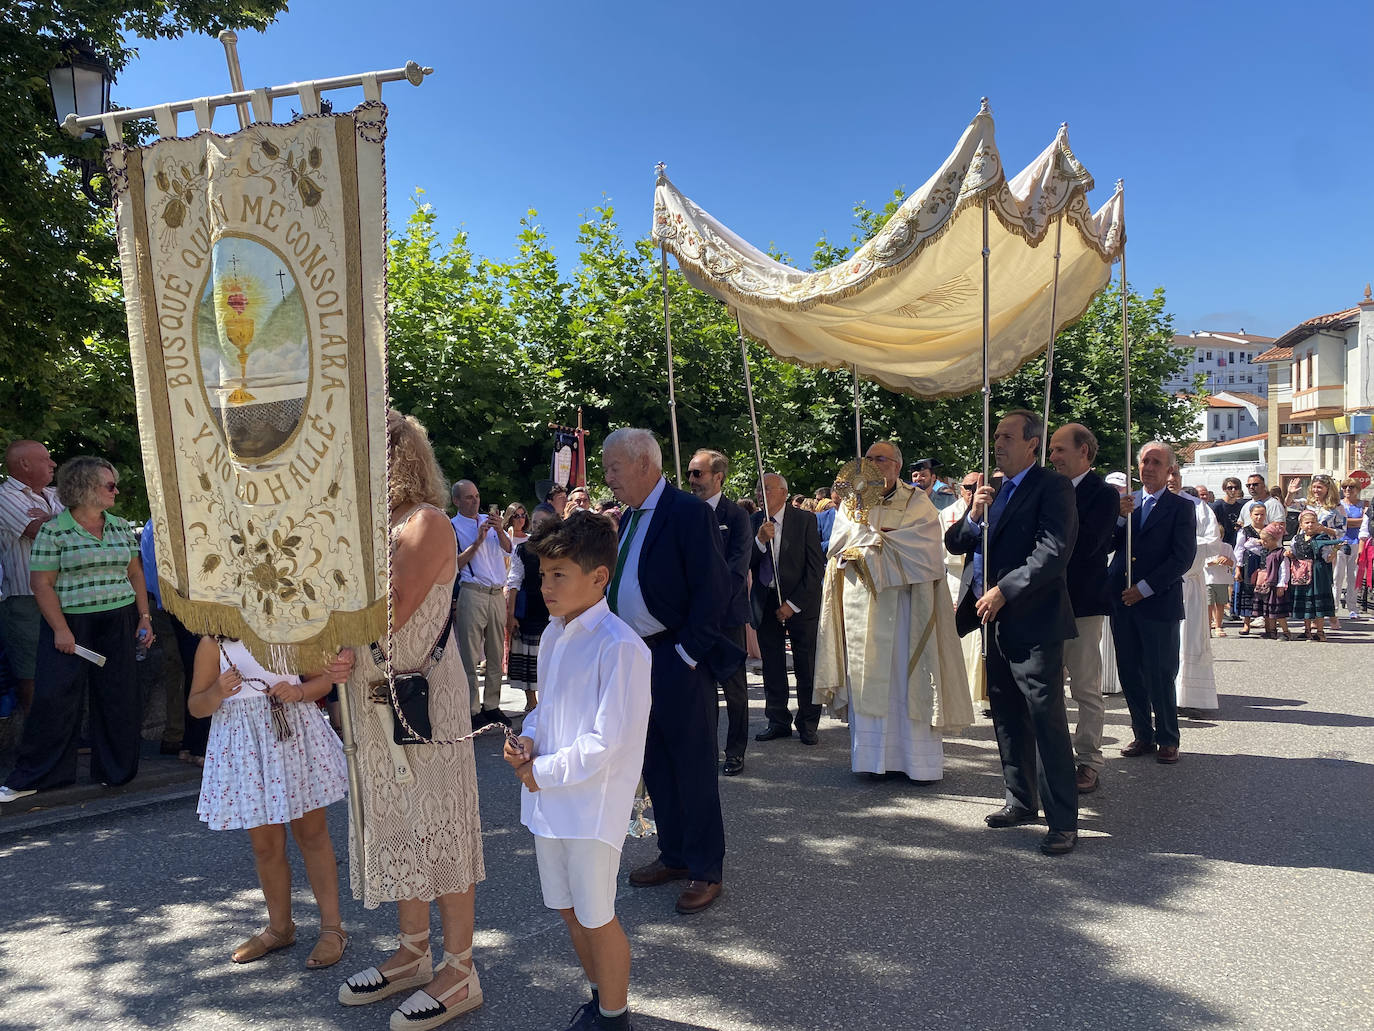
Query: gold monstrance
{"points": [[239, 328]]}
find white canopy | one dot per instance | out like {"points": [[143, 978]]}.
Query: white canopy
{"points": [[907, 307]]}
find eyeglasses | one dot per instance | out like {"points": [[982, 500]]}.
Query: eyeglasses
{"points": [[1233, 486], [697, 474], [110, 486], [969, 486]]}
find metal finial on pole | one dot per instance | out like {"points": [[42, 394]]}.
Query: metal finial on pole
{"points": [[758, 449], [1049, 351], [230, 40], [668, 340]]}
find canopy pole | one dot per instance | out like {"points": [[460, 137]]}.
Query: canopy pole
{"points": [[987, 408], [1049, 351], [668, 340], [1126, 376], [758, 449], [858, 428]]}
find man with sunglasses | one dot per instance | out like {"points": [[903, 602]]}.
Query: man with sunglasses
{"points": [[706, 474], [1273, 507]]}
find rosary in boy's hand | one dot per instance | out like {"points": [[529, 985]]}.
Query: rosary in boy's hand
{"points": [[519, 752]]}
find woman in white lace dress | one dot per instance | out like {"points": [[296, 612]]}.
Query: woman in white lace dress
{"points": [[423, 838]]}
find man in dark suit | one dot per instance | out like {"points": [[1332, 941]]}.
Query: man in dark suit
{"points": [[1023, 602], [706, 474], [1072, 451], [788, 566], [1147, 611], [671, 585]]}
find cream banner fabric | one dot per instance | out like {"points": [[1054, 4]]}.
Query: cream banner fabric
{"points": [[907, 308], [254, 280]]}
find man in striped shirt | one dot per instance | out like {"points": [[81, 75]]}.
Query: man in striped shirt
{"points": [[27, 501]]}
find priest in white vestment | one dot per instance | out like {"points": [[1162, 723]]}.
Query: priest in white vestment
{"points": [[888, 656], [1195, 685]]}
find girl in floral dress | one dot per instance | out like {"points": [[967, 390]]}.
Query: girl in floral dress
{"points": [[272, 759], [1311, 591], [1269, 600]]}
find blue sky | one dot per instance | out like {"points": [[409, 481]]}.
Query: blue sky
{"points": [[1244, 131]]}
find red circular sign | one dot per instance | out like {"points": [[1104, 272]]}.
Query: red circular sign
{"points": [[1361, 477]]}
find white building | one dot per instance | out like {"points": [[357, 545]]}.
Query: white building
{"points": [[1229, 415], [1223, 360], [1321, 375]]}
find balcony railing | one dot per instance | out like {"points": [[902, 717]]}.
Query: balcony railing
{"points": [[1295, 440]]}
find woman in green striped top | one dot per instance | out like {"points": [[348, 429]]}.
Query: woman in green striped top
{"points": [[88, 581]]}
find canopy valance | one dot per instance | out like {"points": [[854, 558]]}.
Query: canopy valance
{"points": [[907, 308]]}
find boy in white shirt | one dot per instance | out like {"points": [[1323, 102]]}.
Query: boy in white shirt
{"points": [[582, 751]]}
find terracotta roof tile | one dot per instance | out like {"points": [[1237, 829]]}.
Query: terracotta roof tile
{"points": [[1274, 354], [1303, 330]]}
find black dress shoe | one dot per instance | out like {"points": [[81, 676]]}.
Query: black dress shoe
{"points": [[1059, 843], [733, 767], [808, 737], [481, 719], [1011, 815], [773, 732]]}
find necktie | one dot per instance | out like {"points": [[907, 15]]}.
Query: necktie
{"points": [[767, 571], [999, 505], [611, 595], [1145, 508]]}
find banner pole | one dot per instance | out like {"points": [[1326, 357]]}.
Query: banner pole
{"points": [[858, 430], [987, 406], [1126, 369], [668, 341], [758, 449], [230, 40], [1049, 351]]}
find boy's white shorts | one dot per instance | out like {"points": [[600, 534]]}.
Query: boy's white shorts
{"points": [[579, 874]]}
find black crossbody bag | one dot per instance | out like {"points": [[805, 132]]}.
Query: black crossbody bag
{"points": [[409, 694]]}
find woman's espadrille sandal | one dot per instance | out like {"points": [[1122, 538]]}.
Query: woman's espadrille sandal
{"points": [[423, 1011], [371, 984]]}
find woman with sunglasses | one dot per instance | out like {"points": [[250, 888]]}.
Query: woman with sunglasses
{"points": [[88, 581], [1347, 571]]}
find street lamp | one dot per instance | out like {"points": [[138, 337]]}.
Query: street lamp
{"points": [[81, 87]]}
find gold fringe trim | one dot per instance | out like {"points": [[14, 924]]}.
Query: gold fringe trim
{"points": [[343, 630]]}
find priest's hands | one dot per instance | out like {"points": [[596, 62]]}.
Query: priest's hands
{"points": [[990, 604]]}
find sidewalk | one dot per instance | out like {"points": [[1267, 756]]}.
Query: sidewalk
{"points": [[160, 778]]}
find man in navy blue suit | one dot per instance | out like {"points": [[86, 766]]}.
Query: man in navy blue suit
{"points": [[706, 474], [1148, 611], [671, 585], [1020, 597]]}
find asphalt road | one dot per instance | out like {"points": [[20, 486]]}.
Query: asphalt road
{"points": [[1234, 890]]}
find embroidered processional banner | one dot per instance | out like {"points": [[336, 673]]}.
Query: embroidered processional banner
{"points": [[254, 281]]}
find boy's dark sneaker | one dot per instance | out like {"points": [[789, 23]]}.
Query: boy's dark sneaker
{"points": [[585, 1017]]}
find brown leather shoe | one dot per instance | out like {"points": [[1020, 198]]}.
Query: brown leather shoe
{"points": [[654, 873], [1087, 780], [1137, 748], [697, 896], [1168, 754]]}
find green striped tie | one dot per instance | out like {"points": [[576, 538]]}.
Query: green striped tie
{"points": [[611, 595]]}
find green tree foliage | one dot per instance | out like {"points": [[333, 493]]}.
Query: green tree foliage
{"points": [[488, 353], [64, 365]]}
